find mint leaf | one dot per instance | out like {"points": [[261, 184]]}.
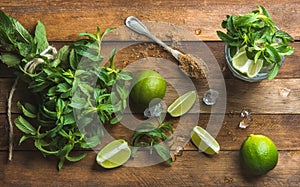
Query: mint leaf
{"points": [[40, 38], [28, 110], [9, 59], [273, 72], [24, 126]]}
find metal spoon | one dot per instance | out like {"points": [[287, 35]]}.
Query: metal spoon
{"points": [[137, 26], [195, 68]]}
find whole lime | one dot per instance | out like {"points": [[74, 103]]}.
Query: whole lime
{"points": [[259, 154], [147, 85]]}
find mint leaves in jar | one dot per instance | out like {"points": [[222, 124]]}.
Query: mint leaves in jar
{"points": [[255, 44]]}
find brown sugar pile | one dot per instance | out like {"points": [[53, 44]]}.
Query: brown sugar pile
{"points": [[195, 68]]}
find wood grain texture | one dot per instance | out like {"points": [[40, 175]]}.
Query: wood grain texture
{"points": [[80, 16], [131, 53], [191, 169], [282, 129], [254, 96], [274, 115]]}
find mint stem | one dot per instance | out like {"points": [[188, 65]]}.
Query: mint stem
{"points": [[11, 128]]}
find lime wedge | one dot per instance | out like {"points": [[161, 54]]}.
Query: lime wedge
{"points": [[244, 65], [114, 154], [204, 141], [182, 104]]}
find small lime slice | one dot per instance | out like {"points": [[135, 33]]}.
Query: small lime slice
{"points": [[244, 65], [182, 104], [114, 154], [204, 141]]}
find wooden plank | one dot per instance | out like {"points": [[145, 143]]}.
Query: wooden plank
{"points": [[122, 3], [132, 53], [75, 17], [191, 169], [282, 129], [262, 98]]}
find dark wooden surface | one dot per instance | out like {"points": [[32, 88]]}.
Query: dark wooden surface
{"points": [[274, 115]]}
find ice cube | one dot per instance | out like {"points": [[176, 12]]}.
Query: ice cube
{"points": [[154, 110], [247, 118], [210, 97], [244, 124], [284, 92], [179, 151]]}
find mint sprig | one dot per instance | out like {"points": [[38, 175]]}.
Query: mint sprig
{"points": [[259, 33], [153, 135]]}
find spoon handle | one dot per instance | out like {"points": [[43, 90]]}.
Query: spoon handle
{"points": [[137, 26]]}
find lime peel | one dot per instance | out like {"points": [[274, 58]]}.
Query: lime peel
{"points": [[204, 141], [114, 154], [245, 65], [182, 104]]}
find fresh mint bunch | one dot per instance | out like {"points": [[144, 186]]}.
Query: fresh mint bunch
{"points": [[62, 87], [259, 33]]}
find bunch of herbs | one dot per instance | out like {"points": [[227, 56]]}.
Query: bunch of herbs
{"points": [[61, 89], [258, 32]]}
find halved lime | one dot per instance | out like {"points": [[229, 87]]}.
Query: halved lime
{"points": [[182, 104], [114, 154], [204, 141], [244, 65]]}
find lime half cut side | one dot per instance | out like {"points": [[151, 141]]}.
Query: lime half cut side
{"points": [[114, 154], [182, 104], [204, 141], [244, 65]]}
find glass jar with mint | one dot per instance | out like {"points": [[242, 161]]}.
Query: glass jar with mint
{"points": [[255, 47]]}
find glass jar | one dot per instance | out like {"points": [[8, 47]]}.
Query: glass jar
{"points": [[263, 73]]}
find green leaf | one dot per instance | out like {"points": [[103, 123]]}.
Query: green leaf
{"points": [[60, 105], [106, 32], [65, 150], [283, 35], [78, 103], [145, 127], [288, 50], [257, 55], [273, 53], [68, 119], [124, 75], [263, 11], [73, 60], [39, 145], [28, 110], [91, 36], [245, 20], [63, 87], [91, 142], [40, 38], [24, 126], [49, 113], [273, 72], [164, 152], [116, 119], [9, 59], [62, 56], [23, 138], [228, 39], [76, 158], [61, 163], [22, 31]]}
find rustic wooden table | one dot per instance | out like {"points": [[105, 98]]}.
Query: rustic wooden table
{"points": [[274, 114]]}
